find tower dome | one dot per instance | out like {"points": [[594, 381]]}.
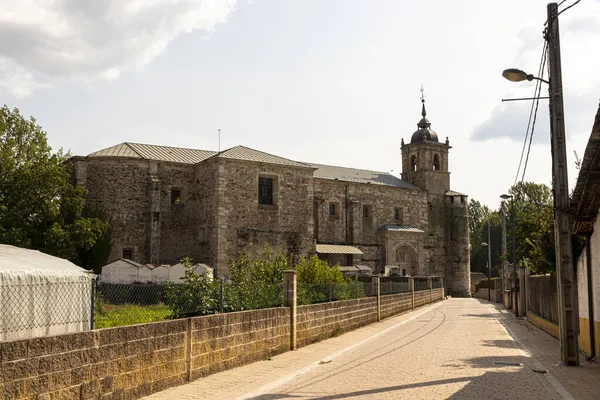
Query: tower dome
{"points": [[424, 133]]}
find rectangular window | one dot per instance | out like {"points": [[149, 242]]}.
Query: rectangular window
{"points": [[265, 191], [128, 254], [175, 196], [332, 210], [367, 211], [398, 215]]}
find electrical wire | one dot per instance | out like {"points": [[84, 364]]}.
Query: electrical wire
{"points": [[562, 11], [537, 102], [572, 5], [537, 83]]}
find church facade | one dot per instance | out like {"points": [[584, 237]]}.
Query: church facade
{"points": [[166, 203]]}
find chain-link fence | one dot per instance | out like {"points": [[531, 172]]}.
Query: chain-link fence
{"points": [[437, 282], [393, 285], [421, 284], [67, 306], [125, 304], [31, 309], [313, 293]]}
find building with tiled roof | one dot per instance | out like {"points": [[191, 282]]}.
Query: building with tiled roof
{"points": [[166, 203]]}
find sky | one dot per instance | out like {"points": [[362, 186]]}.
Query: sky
{"points": [[323, 81]]}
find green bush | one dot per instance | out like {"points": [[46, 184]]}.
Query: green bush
{"points": [[257, 283]]}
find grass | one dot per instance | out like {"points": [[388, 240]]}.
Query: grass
{"points": [[110, 315]]}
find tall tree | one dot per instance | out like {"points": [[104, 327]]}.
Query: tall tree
{"points": [[534, 217], [40, 207]]}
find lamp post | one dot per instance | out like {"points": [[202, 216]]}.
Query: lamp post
{"points": [[566, 279], [489, 262], [514, 248]]}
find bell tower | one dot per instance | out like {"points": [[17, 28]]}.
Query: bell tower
{"points": [[425, 159]]}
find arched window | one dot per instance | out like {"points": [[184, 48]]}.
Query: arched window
{"points": [[413, 163], [436, 162]]}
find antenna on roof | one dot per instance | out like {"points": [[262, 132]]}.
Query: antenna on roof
{"points": [[219, 140]]}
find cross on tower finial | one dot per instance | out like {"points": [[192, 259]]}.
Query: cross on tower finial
{"points": [[422, 90]]}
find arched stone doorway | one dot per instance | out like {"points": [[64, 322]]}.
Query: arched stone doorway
{"points": [[406, 258]]}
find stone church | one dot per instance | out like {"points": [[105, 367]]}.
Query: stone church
{"points": [[166, 203]]}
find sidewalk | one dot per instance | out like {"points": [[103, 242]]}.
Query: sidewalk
{"points": [[581, 382]]}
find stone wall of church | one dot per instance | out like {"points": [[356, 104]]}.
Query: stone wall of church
{"points": [[350, 225], [457, 271], [178, 222], [244, 226], [119, 186]]}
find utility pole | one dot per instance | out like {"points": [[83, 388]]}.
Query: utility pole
{"points": [[503, 250], [489, 263], [565, 271], [513, 239]]}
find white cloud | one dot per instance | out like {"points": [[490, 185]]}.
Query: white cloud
{"points": [[580, 29], [92, 39]]}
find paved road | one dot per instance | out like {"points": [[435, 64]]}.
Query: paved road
{"points": [[455, 349]]}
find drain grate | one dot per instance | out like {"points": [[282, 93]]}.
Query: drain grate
{"points": [[507, 364]]}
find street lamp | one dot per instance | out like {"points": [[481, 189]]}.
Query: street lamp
{"points": [[566, 275], [489, 263], [514, 248], [517, 75]]}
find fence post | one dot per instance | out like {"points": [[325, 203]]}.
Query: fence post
{"points": [[93, 302], [430, 282], [443, 288], [377, 282], [221, 294], [412, 291], [289, 287]]}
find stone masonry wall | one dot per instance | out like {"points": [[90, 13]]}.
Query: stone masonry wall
{"points": [[207, 206], [422, 297], [123, 188], [382, 200], [225, 341], [542, 298], [244, 226], [393, 304], [125, 362], [178, 222], [119, 186], [321, 321], [134, 361]]}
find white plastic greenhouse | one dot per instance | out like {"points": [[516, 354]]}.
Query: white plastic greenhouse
{"points": [[42, 295]]}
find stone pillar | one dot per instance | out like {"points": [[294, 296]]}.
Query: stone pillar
{"points": [[377, 282], [154, 253], [429, 282], [412, 291], [289, 296], [522, 292]]}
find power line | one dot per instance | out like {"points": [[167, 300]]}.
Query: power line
{"points": [[572, 5], [565, 9], [537, 102], [537, 83]]}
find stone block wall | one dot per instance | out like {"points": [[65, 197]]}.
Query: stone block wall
{"points": [[422, 297], [357, 229], [244, 226], [134, 361], [393, 304], [482, 292], [125, 362], [321, 321], [120, 187], [225, 341], [542, 299]]}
